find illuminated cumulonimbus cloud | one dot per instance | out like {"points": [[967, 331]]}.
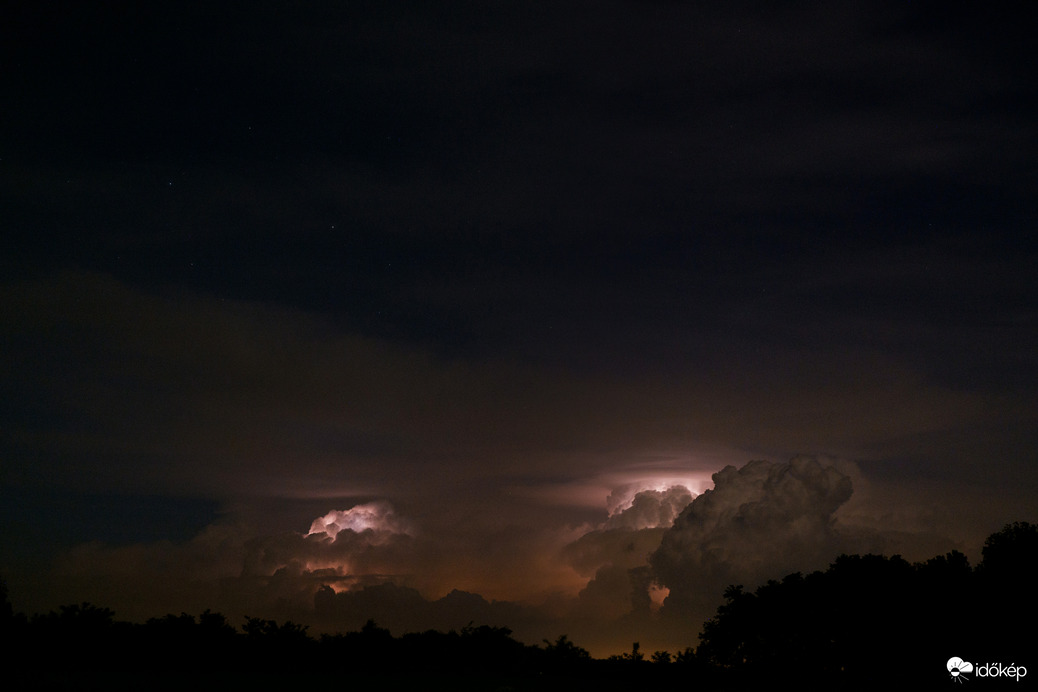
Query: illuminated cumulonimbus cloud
{"points": [[364, 539], [648, 508], [761, 521], [633, 530], [373, 516], [615, 554]]}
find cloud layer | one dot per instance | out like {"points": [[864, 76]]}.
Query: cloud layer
{"points": [[653, 570], [759, 521]]}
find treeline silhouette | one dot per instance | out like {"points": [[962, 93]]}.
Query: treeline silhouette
{"points": [[870, 620], [866, 620]]}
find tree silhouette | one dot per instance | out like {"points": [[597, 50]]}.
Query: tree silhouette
{"points": [[1006, 578], [565, 651], [852, 625], [6, 609], [1011, 553], [635, 655]]}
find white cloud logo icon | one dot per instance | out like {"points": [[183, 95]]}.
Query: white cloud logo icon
{"points": [[956, 666]]}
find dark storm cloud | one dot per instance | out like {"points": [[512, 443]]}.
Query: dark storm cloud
{"points": [[243, 390], [764, 520], [221, 396], [753, 518]]}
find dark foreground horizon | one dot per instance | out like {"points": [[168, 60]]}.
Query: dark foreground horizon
{"points": [[866, 620]]}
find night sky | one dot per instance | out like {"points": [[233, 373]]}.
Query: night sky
{"points": [[494, 288]]}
